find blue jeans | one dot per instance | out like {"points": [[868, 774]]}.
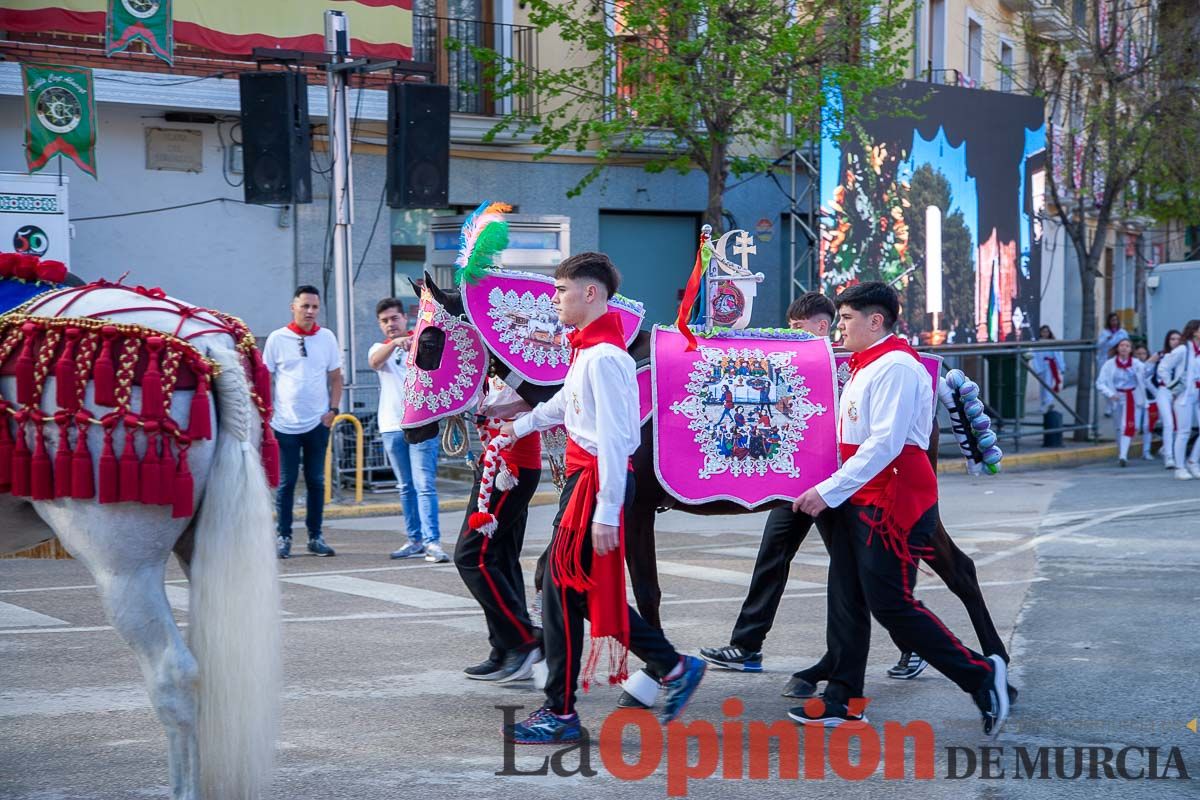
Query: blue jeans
{"points": [[294, 447], [415, 467]]}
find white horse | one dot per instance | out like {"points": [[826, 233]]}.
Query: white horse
{"points": [[218, 699]]}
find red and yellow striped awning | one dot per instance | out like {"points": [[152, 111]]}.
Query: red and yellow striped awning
{"points": [[378, 28]]}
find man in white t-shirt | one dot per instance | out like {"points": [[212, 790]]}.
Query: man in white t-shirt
{"points": [[415, 465], [306, 362]]}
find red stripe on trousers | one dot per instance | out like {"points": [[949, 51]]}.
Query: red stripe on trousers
{"points": [[492, 585], [908, 596]]}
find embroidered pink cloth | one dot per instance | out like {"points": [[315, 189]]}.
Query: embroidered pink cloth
{"points": [[513, 314], [454, 385], [743, 418]]}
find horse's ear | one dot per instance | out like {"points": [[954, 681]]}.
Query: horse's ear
{"points": [[416, 287], [436, 291]]}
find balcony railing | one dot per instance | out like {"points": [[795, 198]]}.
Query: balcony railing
{"points": [[449, 43]]}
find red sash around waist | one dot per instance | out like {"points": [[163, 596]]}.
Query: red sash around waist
{"points": [[900, 494]]}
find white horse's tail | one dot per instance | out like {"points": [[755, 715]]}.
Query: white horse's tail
{"points": [[235, 604]]}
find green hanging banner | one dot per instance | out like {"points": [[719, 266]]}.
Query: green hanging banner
{"points": [[148, 20], [60, 111]]}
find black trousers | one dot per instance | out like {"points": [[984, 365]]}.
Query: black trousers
{"points": [[563, 613], [491, 567], [782, 536], [866, 579]]}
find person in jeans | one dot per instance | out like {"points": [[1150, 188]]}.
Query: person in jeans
{"points": [[306, 363], [415, 465]]}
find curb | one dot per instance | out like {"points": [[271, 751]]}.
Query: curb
{"points": [[1065, 457]]}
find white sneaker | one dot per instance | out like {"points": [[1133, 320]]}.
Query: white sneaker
{"points": [[1194, 468], [435, 554], [1182, 475], [1170, 463]]}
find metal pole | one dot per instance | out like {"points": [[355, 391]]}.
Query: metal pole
{"points": [[337, 45]]}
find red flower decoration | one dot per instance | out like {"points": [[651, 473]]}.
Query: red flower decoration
{"points": [[52, 271], [8, 264], [27, 267]]}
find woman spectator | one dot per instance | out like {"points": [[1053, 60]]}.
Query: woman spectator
{"points": [[1122, 380], [1050, 366]]}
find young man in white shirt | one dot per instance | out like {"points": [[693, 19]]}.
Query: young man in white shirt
{"points": [[1179, 371], [886, 495], [306, 362], [414, 465], [598, 405]]}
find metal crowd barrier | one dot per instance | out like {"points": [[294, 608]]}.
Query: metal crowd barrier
{"points": [[1003, 371]]}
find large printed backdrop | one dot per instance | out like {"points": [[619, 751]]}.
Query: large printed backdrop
{"points": [[743, 418], [979, 158]]}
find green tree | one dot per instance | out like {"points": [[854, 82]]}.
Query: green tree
{"points": [[708, 84]]}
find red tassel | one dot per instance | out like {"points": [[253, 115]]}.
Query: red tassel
{"points": [[150, 461], [183, 496], [166, 474], [270, 455], [82, 484], [152, 390], [109, 470], [62, 457], [6, 450], [262, 380], [41, 485], [65, 385], [104, 374], [478, 519], [200, 416], [25, 387], [129, 467]]}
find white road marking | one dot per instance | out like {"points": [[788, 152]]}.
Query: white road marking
{"points": [[16, 617], [716, 575], [387, 592]]}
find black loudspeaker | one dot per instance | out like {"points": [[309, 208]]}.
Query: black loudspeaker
{"points": [[418, 157], [276, 138]]}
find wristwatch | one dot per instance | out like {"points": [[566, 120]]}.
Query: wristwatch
{"points": [[335, 410]]}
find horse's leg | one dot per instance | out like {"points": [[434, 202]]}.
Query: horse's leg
{"points": [[128, 564], [642, 562], [957, 570]]}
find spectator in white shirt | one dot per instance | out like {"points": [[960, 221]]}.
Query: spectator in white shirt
{"points": [[415, 465], [306, 363]]}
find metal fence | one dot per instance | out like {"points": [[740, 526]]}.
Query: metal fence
{"points": [[450, 44], [1004, 373]]}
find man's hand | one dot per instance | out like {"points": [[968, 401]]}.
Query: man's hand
{"points": [[810, 503], [327, 419], [605, 538], [507, 429]]}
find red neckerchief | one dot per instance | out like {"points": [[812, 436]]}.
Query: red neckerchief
{"points": [[296, 329], [605, 329], [891, 344], [903, 490], [1124, 364]]}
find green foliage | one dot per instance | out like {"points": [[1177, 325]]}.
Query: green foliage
{"points": [[697, 83], [930, 188]]}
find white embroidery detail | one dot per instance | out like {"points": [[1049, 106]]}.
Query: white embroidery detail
{"points": [[748, 418], [462, 341], [529, 326]]}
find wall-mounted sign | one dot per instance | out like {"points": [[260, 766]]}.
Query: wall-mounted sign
{"points": [[174, 149]]}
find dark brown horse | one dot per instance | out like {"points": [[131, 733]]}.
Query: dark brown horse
{"points": [[953, 566]]}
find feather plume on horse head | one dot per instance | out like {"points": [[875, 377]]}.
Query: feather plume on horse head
{"points": [[484, 234]]}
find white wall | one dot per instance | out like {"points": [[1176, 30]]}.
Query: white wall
{"points": [[225, 255], [1054, 266]]}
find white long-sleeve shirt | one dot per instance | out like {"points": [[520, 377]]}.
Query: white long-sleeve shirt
{"points": [[884, 407], [1182, 364], [1113, 379], [598, 404]]}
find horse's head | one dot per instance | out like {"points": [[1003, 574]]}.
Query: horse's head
{"points": [[447, 364]]}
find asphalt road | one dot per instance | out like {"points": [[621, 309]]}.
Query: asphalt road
{"points": [[1090, 574]]}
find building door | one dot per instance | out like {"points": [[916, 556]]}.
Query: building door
{"points": [[655, 254]]}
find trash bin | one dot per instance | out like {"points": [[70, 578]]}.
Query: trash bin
{"points": [[1051, 421]]}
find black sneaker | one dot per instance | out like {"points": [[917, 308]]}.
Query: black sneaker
{"points": [[518, 665], [828, 713], [626, 700], [992, 697], [908, 667], [733, 657], [799, 688], [488, 669], [317, 546], [283, 546]]}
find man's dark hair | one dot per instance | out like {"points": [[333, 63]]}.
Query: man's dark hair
{"points": [[305, 289], [387, 304], [590, 267], [873, 297], [809, 305]]}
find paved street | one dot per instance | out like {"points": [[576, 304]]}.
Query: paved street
{"points": [[1091, 575]]}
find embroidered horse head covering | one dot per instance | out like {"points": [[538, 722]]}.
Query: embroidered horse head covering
{"points": [[453, 384]]}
